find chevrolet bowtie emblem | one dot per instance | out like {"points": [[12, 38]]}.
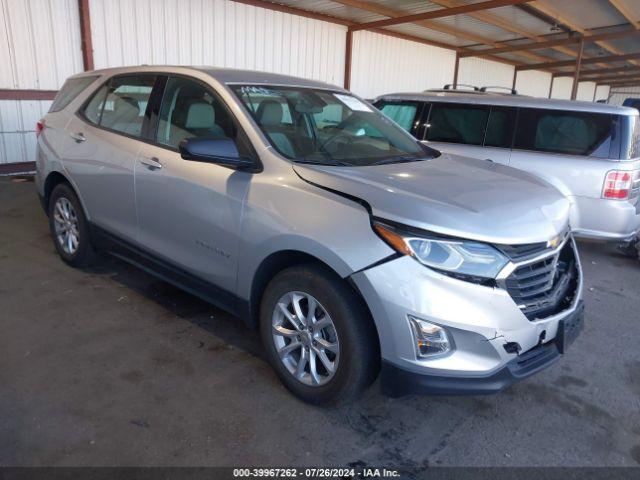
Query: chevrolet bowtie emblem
{"points": [[554, 242]]}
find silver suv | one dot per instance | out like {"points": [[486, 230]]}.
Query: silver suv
{"points": [[588, 151], [296, 206]]}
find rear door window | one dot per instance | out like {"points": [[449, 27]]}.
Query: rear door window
{"points": [[404, 113], [565, 132], [500, 127], [121, 104], [69, 91], [457, 123], [126, 104]]}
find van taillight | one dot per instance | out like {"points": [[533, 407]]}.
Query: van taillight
{"points": [[617, 185], [39, 127]]}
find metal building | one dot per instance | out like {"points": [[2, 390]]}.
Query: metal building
{"points": [[571, 49]]}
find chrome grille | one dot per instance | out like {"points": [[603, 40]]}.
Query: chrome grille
{"points": [[546, 286]]}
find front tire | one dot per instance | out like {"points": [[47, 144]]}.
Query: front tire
{"points": [[69, 227], [318, 335]]}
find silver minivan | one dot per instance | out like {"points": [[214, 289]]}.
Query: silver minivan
{"points": [[588, 151], [304, 211]]}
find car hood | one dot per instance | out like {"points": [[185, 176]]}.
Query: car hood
{"points": [[453, 195]]}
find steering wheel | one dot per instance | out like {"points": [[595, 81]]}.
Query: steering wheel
{"points": [[347, 137]]}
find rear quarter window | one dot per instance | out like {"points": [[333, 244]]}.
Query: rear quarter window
{"points": [[69, 91], [565, 132]]}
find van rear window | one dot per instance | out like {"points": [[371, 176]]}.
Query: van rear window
{"points": [[565, 132], [70, 90]]}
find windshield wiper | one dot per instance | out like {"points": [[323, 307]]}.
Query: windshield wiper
{"points": [[401, 159], [331, 163]]}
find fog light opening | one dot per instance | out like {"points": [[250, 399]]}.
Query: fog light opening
{"points": [[430, 340]]}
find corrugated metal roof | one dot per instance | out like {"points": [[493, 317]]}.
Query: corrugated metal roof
{"points": [[588, 13], [428, 34], [509, 25]]}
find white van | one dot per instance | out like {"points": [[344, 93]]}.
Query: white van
{"points": [[589, 151]]}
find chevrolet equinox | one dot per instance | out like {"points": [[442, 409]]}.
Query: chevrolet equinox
{"points": [[355, 249]]}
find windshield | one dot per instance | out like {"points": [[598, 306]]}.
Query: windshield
{"points": [[318, 126]]}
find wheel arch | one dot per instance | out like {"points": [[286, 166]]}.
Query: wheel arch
{"points": [[281, 260], [54, 179]]}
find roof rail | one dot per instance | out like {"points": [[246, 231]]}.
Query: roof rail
{"points": [[451, 86], [513, 91]]}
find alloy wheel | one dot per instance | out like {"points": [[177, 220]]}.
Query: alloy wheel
{"points": [[65, 222], [305, 338]]}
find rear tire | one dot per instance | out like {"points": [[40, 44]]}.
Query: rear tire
{"points": [[70, 228], [341, 336]]}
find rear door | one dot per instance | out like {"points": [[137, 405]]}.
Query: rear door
{"points": [[101, 149]]}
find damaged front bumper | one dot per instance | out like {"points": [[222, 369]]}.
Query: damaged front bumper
{"points": [[484, 324], [397, 382]]}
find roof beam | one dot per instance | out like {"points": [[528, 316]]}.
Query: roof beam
{"points": [[623, 85], [626, 13], [571, 63], [612, 78], [493, 19], [547, 10], [618, 82], [443, 12], [600, 71], [554, 43], [383, 10], [295, 11], [340, 21]]}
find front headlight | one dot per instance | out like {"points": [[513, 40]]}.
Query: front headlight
{"points": [[458, 258]]}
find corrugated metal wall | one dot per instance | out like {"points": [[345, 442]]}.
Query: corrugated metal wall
{"points": [[215, 32], [602, 92], [534, 83], [586, 91], [39, 49], [562, 88], [383, 64], [481, 72], [619, 95]]}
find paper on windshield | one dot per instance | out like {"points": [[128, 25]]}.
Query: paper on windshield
{"points": [[352, 102]]}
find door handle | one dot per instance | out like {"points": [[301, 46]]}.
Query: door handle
{"points": [[151, 163], [78, 137], [488, 160]]}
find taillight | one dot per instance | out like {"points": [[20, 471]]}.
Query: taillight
{"points": [[617, 185], [39, 127]]}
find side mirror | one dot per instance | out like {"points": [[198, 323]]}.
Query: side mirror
{"points": [[222, 151]]}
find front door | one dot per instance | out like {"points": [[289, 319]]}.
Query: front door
{"points": [[189, 212]]}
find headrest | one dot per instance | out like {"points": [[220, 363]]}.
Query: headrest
{"points": [[126, 106], [200, 115], [269, 112]]}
